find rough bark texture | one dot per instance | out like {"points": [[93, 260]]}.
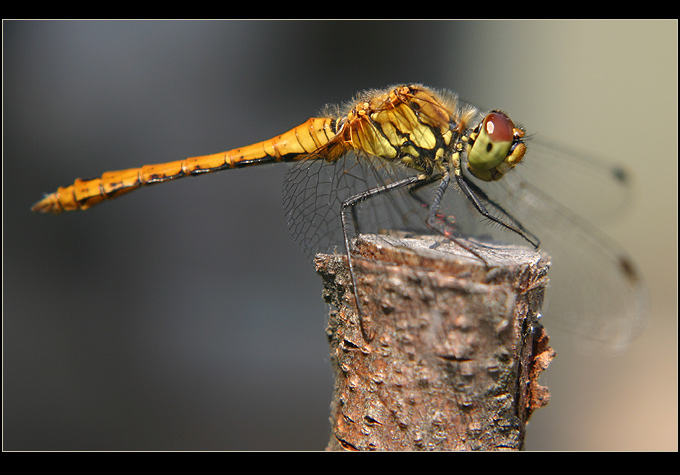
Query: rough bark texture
{"points": [[455, 346]]}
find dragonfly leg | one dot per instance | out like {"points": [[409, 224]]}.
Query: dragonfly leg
{"points": [[438, 222], [350, 204], [473, 192]]}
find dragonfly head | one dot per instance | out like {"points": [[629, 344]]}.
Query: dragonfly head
{"points": [[495, 147]]}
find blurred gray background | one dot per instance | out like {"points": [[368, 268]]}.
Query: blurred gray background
{"points": [[184, 317]]}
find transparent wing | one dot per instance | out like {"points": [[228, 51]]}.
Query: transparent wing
{"points": [[594, 187], [314, 190], [595, 289]]}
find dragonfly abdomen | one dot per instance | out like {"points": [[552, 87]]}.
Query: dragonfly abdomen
{"points": [[295, 144]]}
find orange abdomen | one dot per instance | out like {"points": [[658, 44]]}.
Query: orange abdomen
{"points": [[295, 144]]}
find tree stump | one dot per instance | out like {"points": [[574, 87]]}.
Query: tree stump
{"points": [[455, 349]]}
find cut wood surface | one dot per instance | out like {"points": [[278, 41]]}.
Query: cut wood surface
{"points": [[455, 346]]}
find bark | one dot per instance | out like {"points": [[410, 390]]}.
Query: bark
{"points": [[455, 345]]}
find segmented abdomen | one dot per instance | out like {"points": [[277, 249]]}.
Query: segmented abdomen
{"points": [[295, 144]]}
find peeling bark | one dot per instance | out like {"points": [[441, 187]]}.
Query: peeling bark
{"points": [[455, 349]]}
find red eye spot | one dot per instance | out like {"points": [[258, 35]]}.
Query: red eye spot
{"points": [[499, 127]]}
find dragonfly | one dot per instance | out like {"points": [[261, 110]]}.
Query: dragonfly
{"points": [[409, 157]]}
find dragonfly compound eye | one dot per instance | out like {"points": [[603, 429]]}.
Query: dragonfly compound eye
{"points": [[493, 142]]}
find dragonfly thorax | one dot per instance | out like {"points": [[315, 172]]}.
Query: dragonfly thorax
{"points": [[406, 124]]}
